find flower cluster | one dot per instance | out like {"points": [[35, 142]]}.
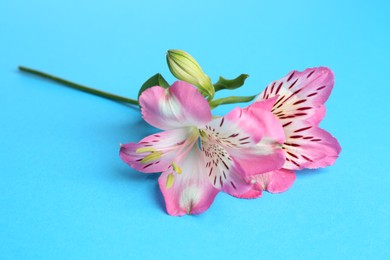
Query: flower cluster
{"points": [[243, 153]]}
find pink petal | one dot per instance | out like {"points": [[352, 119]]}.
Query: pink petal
{"points": [[300, 94], [308, 146], [189, 192], [270, 126], [265, 157], [256, 121], [245, 142], [317, 117], [179, 106], [266, 104], [275, 182], [252, 137], [169, 146], [250, 194], [223, 173], [241, 188]]}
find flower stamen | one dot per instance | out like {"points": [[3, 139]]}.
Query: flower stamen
{"points": [[152, 157], [170, 179], [176, 168], [145, 150]]}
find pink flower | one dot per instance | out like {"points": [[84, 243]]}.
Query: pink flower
{"points": [[297, 100], [199, 155]]}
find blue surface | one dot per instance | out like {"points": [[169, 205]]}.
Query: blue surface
{"points": [[64, 192]]}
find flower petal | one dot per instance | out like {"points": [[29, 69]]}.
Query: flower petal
{"points": [[300, 94], [252, 137], [242, 189], [270, 126], [244, 142], [275, 182], [317, 117], [266, 104], [264, 157], [188, 192], [223, 172], [178, 106], [156, 153], [308, 146]]}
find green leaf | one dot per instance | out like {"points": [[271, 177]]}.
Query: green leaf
{"points": [[230, 83], [156, 80], [231, 100]]}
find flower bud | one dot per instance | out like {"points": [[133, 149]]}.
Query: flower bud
{"points": [[184, 67]]}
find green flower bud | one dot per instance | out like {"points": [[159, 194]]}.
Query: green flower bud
{"points": [[184, 67]]}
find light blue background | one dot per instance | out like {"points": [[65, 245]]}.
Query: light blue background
{"points": [[64, 192]]}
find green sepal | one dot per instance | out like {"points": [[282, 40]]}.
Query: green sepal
{"points": [[230, 83], [156, 80], [231, 100]]}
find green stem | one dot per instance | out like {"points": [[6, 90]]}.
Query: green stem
{"points": [[231, 100], [79, 87]]}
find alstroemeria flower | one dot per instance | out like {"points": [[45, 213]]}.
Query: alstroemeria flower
{"points": [[198, 155], [297, 100]]}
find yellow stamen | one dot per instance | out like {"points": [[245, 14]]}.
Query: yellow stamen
{"points": [[202, 134], [176, 168], [151, 157], [145, 149], [170, 179]]}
